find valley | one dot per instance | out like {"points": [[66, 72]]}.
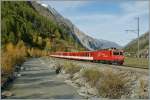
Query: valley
{"points": [[34, 31], [39, 74]]}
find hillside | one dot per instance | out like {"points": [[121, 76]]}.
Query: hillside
{"points": [[83, 39], [92, 43], [144, 45], [20, 21]]}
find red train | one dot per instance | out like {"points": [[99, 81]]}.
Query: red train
{"points": [[111, 56]]}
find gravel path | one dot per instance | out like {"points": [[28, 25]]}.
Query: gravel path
{"points": [[39, 81]]}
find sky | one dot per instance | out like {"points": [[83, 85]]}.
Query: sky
{"points": [[106, 20]]}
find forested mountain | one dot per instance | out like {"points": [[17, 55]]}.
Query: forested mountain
{"points": [[144, 44], [44, 28], [21, 21], [88, 42]]}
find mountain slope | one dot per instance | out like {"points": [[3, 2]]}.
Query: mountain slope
{"points": [[85, 40], [93, 44], [144, 44], [21, 21]]}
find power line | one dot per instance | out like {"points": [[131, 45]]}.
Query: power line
{"points": [[137, 32]]}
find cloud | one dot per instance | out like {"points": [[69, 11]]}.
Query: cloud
{"points": [[108, 26], [64, 6], [93, 17], [135, 7]]}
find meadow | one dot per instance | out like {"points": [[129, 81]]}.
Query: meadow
{"points": [[136, 62]]}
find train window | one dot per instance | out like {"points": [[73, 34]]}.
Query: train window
{"points": [[86, 54], [115, 53], [121, 53]]}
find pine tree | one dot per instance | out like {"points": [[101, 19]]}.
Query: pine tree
{"points": [[12, 37], [57, 34]]}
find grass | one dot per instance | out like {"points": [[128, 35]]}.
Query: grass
{"points": [[108, 83], [91, 75], [135, 62], [142, 89], [13, 55], [34, 52], [112, 85], [71, 68]]}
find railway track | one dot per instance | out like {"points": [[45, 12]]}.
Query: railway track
{"points": [[121, 67]]}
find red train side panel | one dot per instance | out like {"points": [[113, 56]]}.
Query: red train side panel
{"points": [[111, 56]]}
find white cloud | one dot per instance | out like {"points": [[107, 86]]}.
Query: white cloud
{"points": [[109, 26], [134, 7], [67, 3], [64, 6], [92, 17]]}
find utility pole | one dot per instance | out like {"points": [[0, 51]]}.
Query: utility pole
{"points": [[137, 31], [138, 36]]}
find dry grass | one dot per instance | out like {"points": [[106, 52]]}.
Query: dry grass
{"points": [[91, 76], [112, 85], [108, 83], [71, 68], [33, 52], [15, 55], [142, 89]]}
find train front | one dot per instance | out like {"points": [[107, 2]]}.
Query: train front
{"points": [[118, 56]]}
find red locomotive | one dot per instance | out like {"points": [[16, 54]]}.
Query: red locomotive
{"points": [[110, 56]]}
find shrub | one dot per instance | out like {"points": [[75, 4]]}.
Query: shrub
{"points": [[34, 52], [7, 63], [71, 68], [91, 75], [15, 55], [113, 85], [142, 89]]}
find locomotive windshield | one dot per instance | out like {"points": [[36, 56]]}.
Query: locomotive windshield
{"points": [[117, 53], [121, 53]]}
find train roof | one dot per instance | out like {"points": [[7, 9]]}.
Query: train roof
{"points": [[109, 49]]}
